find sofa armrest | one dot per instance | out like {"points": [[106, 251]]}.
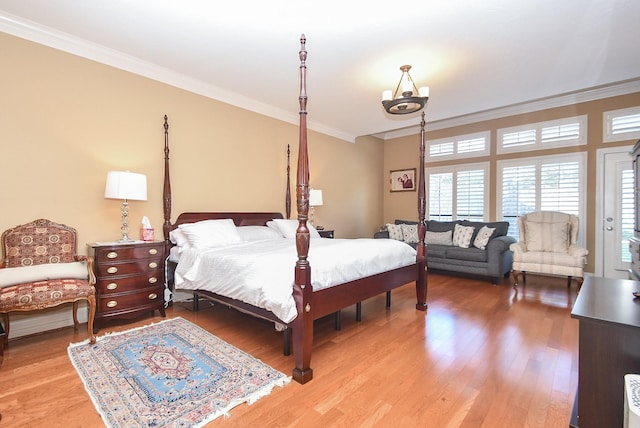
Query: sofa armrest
{"points": [[381, 234], [499, 256]]}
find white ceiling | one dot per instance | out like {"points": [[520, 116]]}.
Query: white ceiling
{"points": [[476, 56]]}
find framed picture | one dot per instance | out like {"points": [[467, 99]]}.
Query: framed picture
{"points": [[403, 180]]}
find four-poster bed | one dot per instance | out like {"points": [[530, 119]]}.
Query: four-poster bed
{"points": [[310, 301]]}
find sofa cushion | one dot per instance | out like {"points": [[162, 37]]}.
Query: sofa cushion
{"points": [[436, 251], [398, 221], [395, 232], [438, 238], [410, 233], [469, 254], [462, 235], [501, 227], [440, 226], [483, 236]]}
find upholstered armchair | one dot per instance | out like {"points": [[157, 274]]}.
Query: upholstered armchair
{"points": [[40, 269], [548, 245]]}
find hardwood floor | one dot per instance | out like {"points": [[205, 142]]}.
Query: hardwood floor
{"points": [[482, 356]]}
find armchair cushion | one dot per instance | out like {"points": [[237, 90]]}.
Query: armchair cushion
{"points": [[44, 294], [18, 275], [553, 237]]}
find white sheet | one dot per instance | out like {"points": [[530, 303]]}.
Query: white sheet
{"points": [[261, 273]]}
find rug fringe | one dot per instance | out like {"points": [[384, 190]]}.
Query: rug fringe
{"points": [[118, 333], [249, 400]]}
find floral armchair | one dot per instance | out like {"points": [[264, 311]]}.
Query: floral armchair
{"points": [[548, 245], [40, 269]]}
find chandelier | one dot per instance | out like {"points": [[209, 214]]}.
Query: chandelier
{"points": [[406, 98]]}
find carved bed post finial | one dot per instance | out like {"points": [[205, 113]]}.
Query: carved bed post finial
{"points": [[166, 190]]}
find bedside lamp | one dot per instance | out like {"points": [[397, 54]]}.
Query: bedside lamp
{"points": [[127, 186], [315, 200]]}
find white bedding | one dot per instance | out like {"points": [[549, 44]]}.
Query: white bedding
{"points": [[261, 273]]}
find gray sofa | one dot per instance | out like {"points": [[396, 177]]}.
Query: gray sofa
{"points": [[494, 261]]}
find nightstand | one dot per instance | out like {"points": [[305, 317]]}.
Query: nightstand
{"points": [[326, 233], [129, 279]]}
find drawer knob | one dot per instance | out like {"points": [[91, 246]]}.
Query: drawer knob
{"points": [[112, 255], [153, 296], [153, 251], [153, 265], [112, 286], [112, 269], [112, 304], [153, 280]]}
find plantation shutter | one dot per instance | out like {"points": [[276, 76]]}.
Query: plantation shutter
{"points": [[441, 196]]}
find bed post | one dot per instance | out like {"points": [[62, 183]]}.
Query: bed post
{"points": [[287, 196], [421, 258], [166, 190], [302, 291]]}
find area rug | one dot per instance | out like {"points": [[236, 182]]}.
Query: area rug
{"points": [[169, 374]]}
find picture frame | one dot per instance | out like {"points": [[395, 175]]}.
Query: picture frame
{"points": [[402, 180]]}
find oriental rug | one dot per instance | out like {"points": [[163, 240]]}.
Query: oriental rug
{"points": [[169, 374]]}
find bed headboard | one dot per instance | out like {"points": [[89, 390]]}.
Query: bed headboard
{"points": [[239, 218]]}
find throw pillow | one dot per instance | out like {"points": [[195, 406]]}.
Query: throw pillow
{"points": [[483, 236], [410, 233], [438, 238], [462, 236], [551, 237], [395, 231]]}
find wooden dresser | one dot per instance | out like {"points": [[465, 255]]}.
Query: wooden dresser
{"points": [[129, 280], [609, 348]]}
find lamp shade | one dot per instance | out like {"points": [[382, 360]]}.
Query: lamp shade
{"points": [[315, 197], [126, 185]]}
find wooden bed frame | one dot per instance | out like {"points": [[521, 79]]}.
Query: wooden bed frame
{"points": [[310, 305]]}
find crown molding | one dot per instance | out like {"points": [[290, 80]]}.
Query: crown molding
{"points": [[46, 36]]}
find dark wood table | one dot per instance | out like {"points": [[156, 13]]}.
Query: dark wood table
{"points": [[609, 348]]}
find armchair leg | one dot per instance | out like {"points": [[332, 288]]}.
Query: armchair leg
{"points": [[514, 274], [75, 315], [91, 300], [5, 321]]}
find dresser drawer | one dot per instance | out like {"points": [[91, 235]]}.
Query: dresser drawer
{"points": [[132, 301], [128, 252], [126, 284], [128, 268]]}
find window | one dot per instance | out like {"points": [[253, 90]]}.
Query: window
{"points": [[621, 125], [544, 135], [462, 146], [458, 192], [553, 183]]}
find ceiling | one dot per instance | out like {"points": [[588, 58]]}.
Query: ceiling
{"points": [[476, 56]]}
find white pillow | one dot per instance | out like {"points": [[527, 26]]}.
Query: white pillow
{"points": [[438, 238], [410, 233], [395, 231], [462, 235], [553, 237], [288, 228], [22, 274], [211, 233], [178, 237], [257, 233], [483, 236]]}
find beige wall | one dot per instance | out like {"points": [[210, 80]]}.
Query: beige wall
{"points": [[66, 121], [401, 153]]}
